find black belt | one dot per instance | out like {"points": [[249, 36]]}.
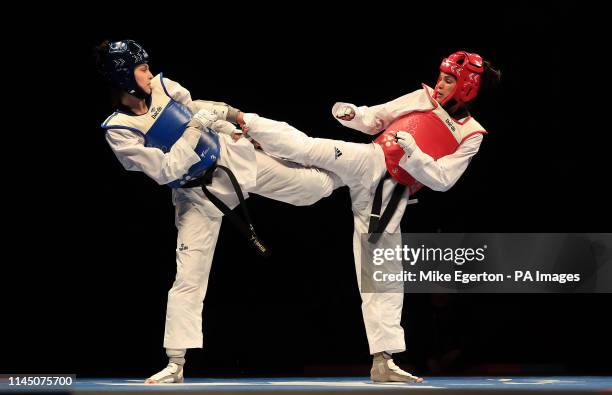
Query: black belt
{"points": [[246, 228], [378, 222]]}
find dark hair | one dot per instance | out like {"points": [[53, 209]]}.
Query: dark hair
{"points": [[491, 78], [100, 54]]}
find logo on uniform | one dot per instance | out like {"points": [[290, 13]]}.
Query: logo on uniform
{"points": [[338, 153], [155, 112], [450, 124], [183, 247]]}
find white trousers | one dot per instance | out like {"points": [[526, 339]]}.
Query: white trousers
{"points": [[198, 231], [361, 167]]}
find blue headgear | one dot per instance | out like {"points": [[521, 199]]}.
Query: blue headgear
{"points": [[119, 63]]}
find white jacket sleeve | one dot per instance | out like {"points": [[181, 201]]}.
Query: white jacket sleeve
{"points": [[177, 92], [369, 120], [441, 174], [162, 167], [372, 120], [222, 110]]}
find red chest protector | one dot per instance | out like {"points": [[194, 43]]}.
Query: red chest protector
{"points": [[431, 135]]}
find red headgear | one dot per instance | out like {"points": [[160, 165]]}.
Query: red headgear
{"points": [[467, 68]]}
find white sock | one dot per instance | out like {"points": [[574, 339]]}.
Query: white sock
{"points": [[176, 355]]}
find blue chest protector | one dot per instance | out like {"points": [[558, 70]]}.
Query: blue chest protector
{"points": [[163, 125], [169, 127]]}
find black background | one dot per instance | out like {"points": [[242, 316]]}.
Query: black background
{"points": [[90, 251]]}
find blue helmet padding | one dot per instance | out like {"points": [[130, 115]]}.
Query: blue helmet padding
{"points": [[121, 60]]}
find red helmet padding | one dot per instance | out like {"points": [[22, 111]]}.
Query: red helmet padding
{"points": [[467, 69]]}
